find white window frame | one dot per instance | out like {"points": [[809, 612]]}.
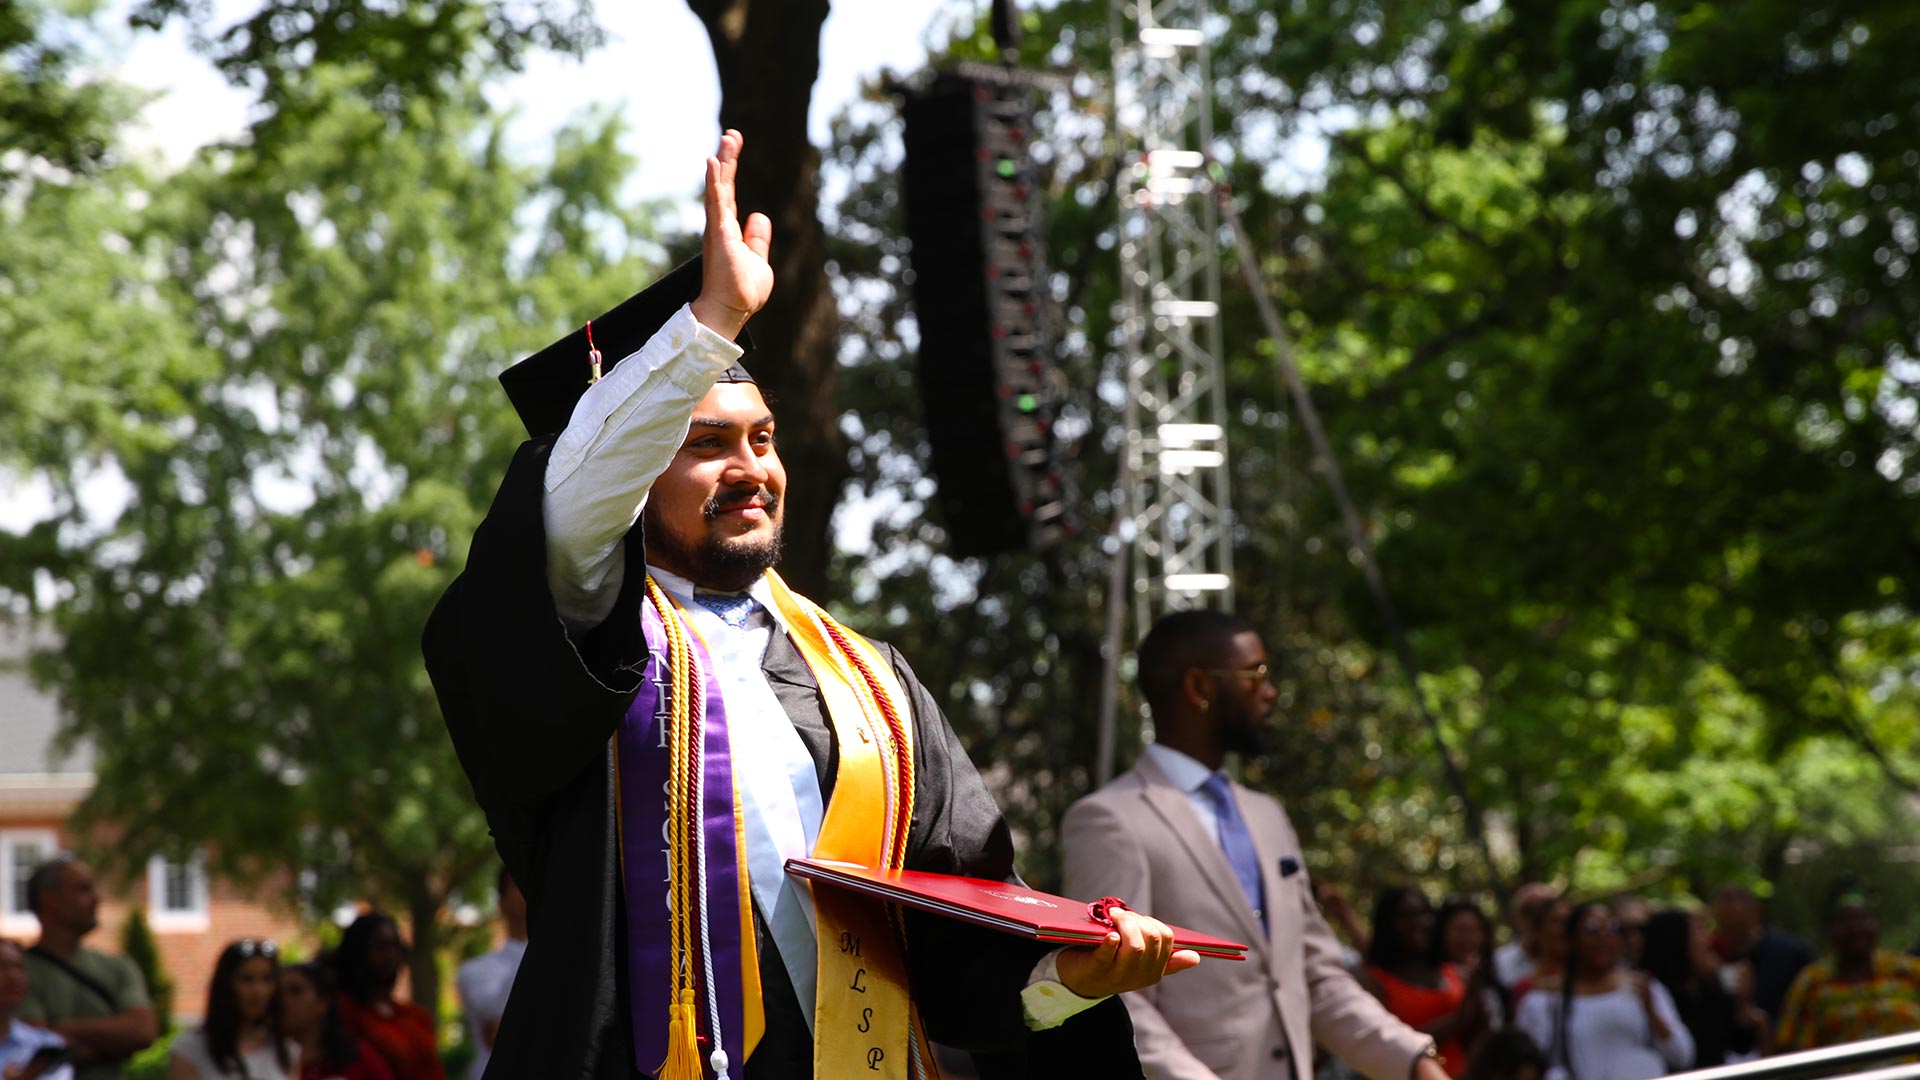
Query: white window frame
{"points": [[20, 923], [194, 918]]}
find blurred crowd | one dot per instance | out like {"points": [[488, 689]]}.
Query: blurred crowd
{"points": [[1598, 990], [1617, 989], [69, 1012]]}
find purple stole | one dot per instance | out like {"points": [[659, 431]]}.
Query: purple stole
{"points": [[643, 777]]}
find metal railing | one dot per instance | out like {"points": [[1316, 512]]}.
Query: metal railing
{"points": [[1909, 1071], [1824, 1062]]}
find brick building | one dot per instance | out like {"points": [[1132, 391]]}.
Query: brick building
{"points": [[192, 916]]}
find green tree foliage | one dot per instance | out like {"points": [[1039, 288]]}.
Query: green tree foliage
{"points": [[1608, 309], [138, 945], [49, 113], [288, 362], [403, 51], [1623, 345]]}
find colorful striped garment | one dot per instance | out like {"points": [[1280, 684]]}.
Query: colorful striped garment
{"points": [[1823, 1009]]}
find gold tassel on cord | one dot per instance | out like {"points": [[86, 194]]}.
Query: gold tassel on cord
{"points": [[683, 1046], [683, 734]]}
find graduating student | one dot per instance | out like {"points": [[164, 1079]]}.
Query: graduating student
{"points": [[653, 722]]}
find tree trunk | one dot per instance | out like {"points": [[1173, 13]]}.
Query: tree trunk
{"points": [[768, 55], [423, 967]]}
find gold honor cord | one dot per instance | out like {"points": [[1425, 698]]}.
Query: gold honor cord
{"points": [[685, 893], [683, 1050], [684, 834], [864, 1020]]}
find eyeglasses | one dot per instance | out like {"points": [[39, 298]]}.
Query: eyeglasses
{"points": [[1257, 673], [252, 947], [1601, 928]]}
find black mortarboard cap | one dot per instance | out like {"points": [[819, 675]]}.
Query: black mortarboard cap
{"points": [[545, 386]]}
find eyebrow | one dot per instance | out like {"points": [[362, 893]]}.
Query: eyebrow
{"points": [[727, 425]]}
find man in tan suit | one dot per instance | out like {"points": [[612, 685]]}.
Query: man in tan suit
{"points": [[1175, 837]]}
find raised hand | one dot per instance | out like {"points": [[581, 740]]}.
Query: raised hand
{"points": [[1137, 953], [737, 279]]}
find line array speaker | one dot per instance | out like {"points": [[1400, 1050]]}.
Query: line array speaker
{"points": [[987, 355]]}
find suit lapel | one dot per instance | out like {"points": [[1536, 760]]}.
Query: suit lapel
{"points": [[1167, 801], [1268, 840]]}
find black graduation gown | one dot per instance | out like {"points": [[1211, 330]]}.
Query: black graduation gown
{"points": [[532, 710]]}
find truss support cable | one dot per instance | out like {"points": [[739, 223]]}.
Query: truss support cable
{"points": [[1356, 535]]}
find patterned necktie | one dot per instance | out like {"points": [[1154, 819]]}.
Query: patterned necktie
{"points": [[734, 609], [1236, 842]]}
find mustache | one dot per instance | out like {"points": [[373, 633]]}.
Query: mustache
{"points": [[722, 502]]}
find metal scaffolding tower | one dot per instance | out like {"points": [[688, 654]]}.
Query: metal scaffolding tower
{"points": [[1176, 413], [1175, 513]]}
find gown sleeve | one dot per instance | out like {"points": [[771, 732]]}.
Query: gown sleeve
{"points": [[528, 703]]}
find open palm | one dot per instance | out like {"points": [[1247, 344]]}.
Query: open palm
{"points": [[737, 279]]}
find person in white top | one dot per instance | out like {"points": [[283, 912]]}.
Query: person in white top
{"points": [[27, 1052], [1517, 959], [1599, 1020], [486, 980], [241, 1035]]}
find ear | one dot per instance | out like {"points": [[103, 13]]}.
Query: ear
{"points": [[1196, 689]]}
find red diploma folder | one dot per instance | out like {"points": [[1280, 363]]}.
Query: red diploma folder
{"points": [[995, 904]]}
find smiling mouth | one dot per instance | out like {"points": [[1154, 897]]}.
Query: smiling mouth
{"points": [[756, 507]]}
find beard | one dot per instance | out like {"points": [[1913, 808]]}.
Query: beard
{"points": [[726, 563], [1250, 735]]}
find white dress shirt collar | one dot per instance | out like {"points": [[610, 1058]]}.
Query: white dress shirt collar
{"points": [[682, 590], [1187, 774]]}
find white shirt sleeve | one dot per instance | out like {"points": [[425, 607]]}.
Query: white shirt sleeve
{"points": [[1677, 1047], [1535, 1016], [1046, 1001], [623, 432]]}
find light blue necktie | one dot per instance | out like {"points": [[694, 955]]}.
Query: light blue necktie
{"points": [[1236, 842], [734, 609]]}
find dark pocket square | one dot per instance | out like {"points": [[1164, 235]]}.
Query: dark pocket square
{"points": [[1289, 866]]}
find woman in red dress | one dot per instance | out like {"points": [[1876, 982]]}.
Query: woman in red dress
{"points": [[368, 963], [308, 1017], [1432, 998]]}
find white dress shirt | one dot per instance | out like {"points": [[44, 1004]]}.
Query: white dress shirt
{"points": [[21, 1041], [1190, 776], [623, 433], [484, 983]]}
